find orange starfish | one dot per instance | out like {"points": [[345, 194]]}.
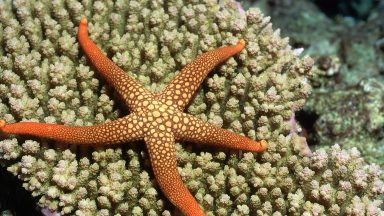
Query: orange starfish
{"points": [[155, 117]]}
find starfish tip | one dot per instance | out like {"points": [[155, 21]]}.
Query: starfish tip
{"points": [[2, 123], [241, 42], [263, 145], [83, 21]]}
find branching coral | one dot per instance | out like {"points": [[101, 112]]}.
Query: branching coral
{"points": [[44, 77]]}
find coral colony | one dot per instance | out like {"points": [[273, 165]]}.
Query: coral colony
{"points": [[155, 118], [46, 77]]}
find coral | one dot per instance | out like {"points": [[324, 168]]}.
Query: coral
{"points": [[13, 195], [351, 116], [362, 50], [358, 45], [45, 77], [348, 77], [6, 213]]}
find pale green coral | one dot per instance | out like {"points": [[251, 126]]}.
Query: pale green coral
{"points": [[351, 116], [254, 93]]}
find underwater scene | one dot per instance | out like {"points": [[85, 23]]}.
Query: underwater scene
{"points": [[191, 107]]}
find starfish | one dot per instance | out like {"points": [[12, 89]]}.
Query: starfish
{"points": [[156, 118]]}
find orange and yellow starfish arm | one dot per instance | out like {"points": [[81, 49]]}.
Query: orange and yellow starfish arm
{"points": [[181, 89], [128, 88], [121, 130], [161, 149], [195, 130]]}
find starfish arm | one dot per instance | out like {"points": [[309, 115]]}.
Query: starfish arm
{"points": [[118, 131], [195, 130], [127, 87], [161, 149], [183, 86]]}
